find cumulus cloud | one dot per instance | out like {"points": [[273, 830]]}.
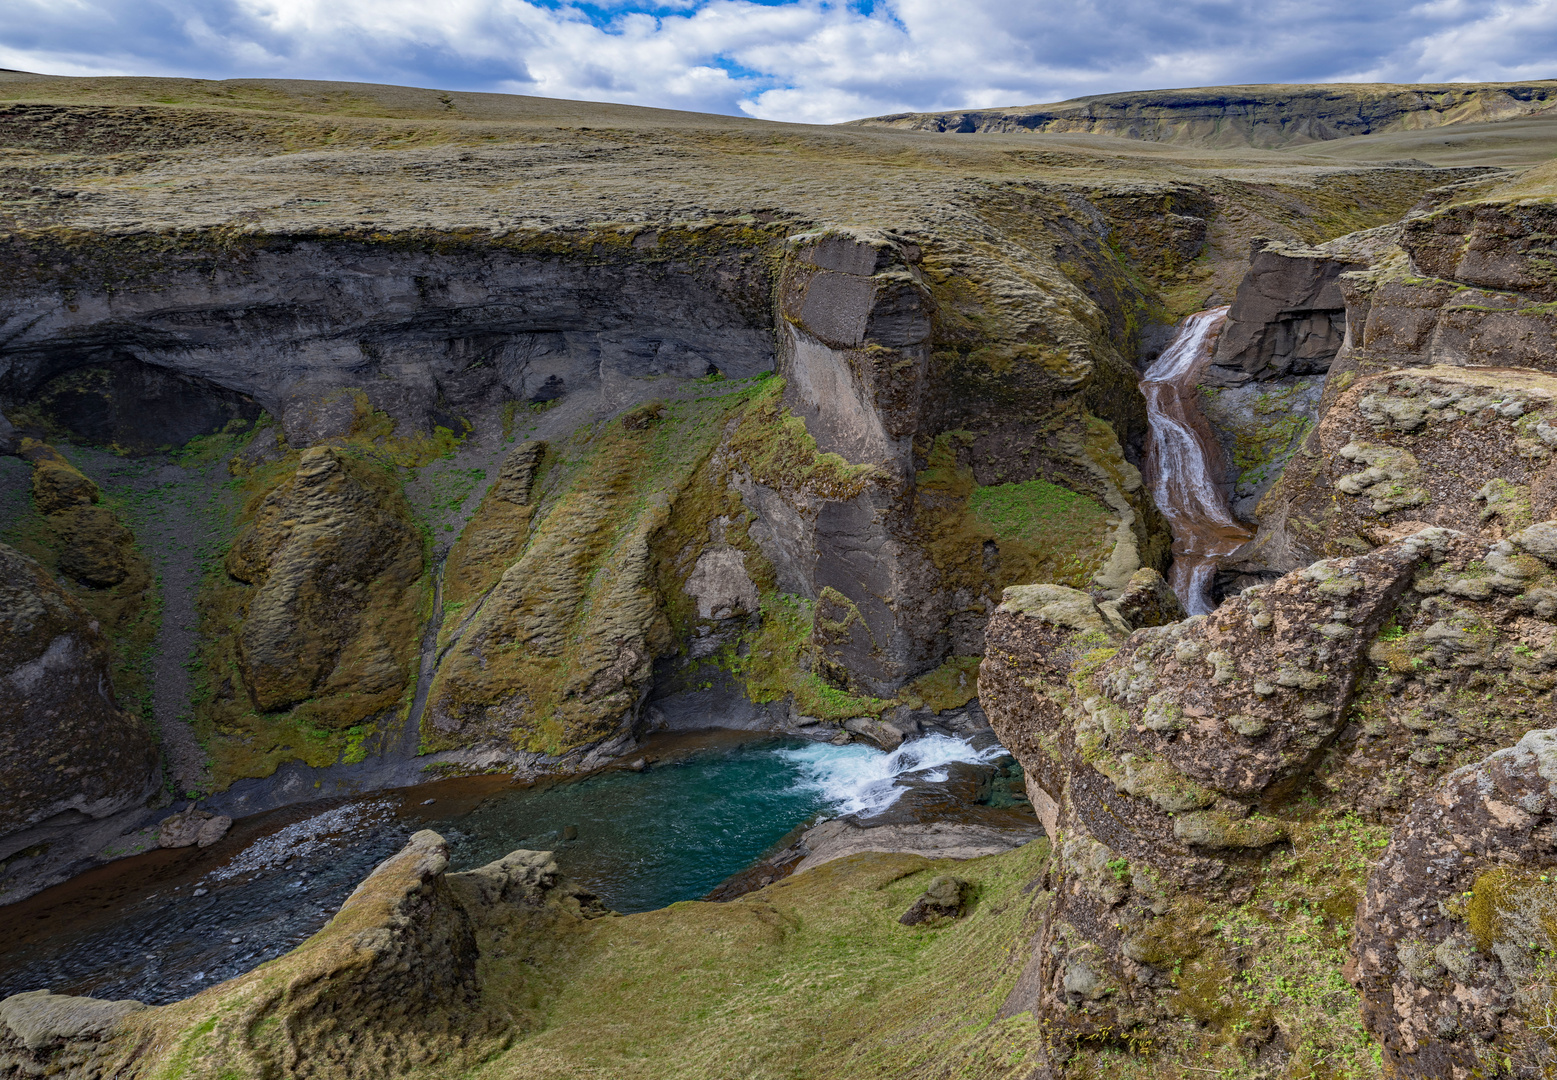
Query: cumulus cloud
{"points": [[805, 60]]}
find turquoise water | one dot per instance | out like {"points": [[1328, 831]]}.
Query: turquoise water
{"points": [[645, 840], [161, 926]]}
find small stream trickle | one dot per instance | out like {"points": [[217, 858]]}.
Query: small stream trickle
{"points": [[1180, 450], [162, 926]]}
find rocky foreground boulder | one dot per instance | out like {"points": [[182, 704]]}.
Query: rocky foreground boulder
{"points": [[1457, 939], [1212, 784]]}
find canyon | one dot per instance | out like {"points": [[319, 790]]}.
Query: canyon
{"points": [[1196, 445]]}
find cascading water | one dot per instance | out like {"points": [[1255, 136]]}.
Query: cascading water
{"points": [[855, 779], [1180, 450]]}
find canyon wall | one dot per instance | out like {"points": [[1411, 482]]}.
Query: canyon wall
{"points": [[1355, 741]]}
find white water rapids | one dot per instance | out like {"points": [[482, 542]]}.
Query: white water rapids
{"points": [[856, 779], [1180, 450]]}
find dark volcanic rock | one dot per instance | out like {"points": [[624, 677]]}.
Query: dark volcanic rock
{"points": [[1499, 246], [943, 899], [65, 746], [1289, 317]]}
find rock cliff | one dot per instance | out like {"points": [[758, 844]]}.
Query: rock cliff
{"points": [[1260, 116], [71, 754]]}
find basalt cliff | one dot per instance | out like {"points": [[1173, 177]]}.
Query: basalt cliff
{"points": [[358, 436]]}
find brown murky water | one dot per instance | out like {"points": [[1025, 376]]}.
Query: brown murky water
{"points": [[1183, 460]]}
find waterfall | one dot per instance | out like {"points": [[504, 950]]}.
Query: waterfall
{"points": [[1180, 452]]}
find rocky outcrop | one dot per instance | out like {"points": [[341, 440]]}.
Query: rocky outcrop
{"points": [[67, 751], [498, 531], [856, 340], [90, 545], [327, 594], [392, 981], [1176, 765], [1500, 246], [1457, 935], [1469, 285], [1250, 115], [1288, 318], [1456, 447], [40, 1020], [520, 323], [558, 651], [944, 899]]}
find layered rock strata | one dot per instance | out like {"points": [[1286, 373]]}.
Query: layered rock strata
{"points": [[1250, 115], [327, 594]]}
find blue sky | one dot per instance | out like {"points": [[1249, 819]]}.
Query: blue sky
{"points": [[803, 60]]}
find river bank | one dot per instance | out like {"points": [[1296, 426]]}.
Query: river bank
{"points": [[693, 811]]}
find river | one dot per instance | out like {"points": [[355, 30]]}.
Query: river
{"points": [[164, 925]]}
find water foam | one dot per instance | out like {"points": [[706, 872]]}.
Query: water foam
{"points": [[856, 779]]}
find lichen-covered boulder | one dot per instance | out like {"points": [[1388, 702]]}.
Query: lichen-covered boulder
{"points": [[1035, 639], [334, 567], [942, 900], [1178, 766], [1456, 948], [1147, 600], [65, 745]]}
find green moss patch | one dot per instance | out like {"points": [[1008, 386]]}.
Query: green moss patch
{"points": [[1037, 513]]}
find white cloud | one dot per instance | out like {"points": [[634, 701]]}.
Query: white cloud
{"points": [[807, 60]]}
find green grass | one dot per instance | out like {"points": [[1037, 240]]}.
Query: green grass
{"points": [[1036, 511], [811, 978]]}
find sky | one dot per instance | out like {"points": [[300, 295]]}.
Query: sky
{"points": [[810, 61]]}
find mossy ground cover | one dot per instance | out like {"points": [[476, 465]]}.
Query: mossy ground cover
{"points": [[1260, 987], [1041, 530], [812, 978], [621, 511], [1057, 529]]}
